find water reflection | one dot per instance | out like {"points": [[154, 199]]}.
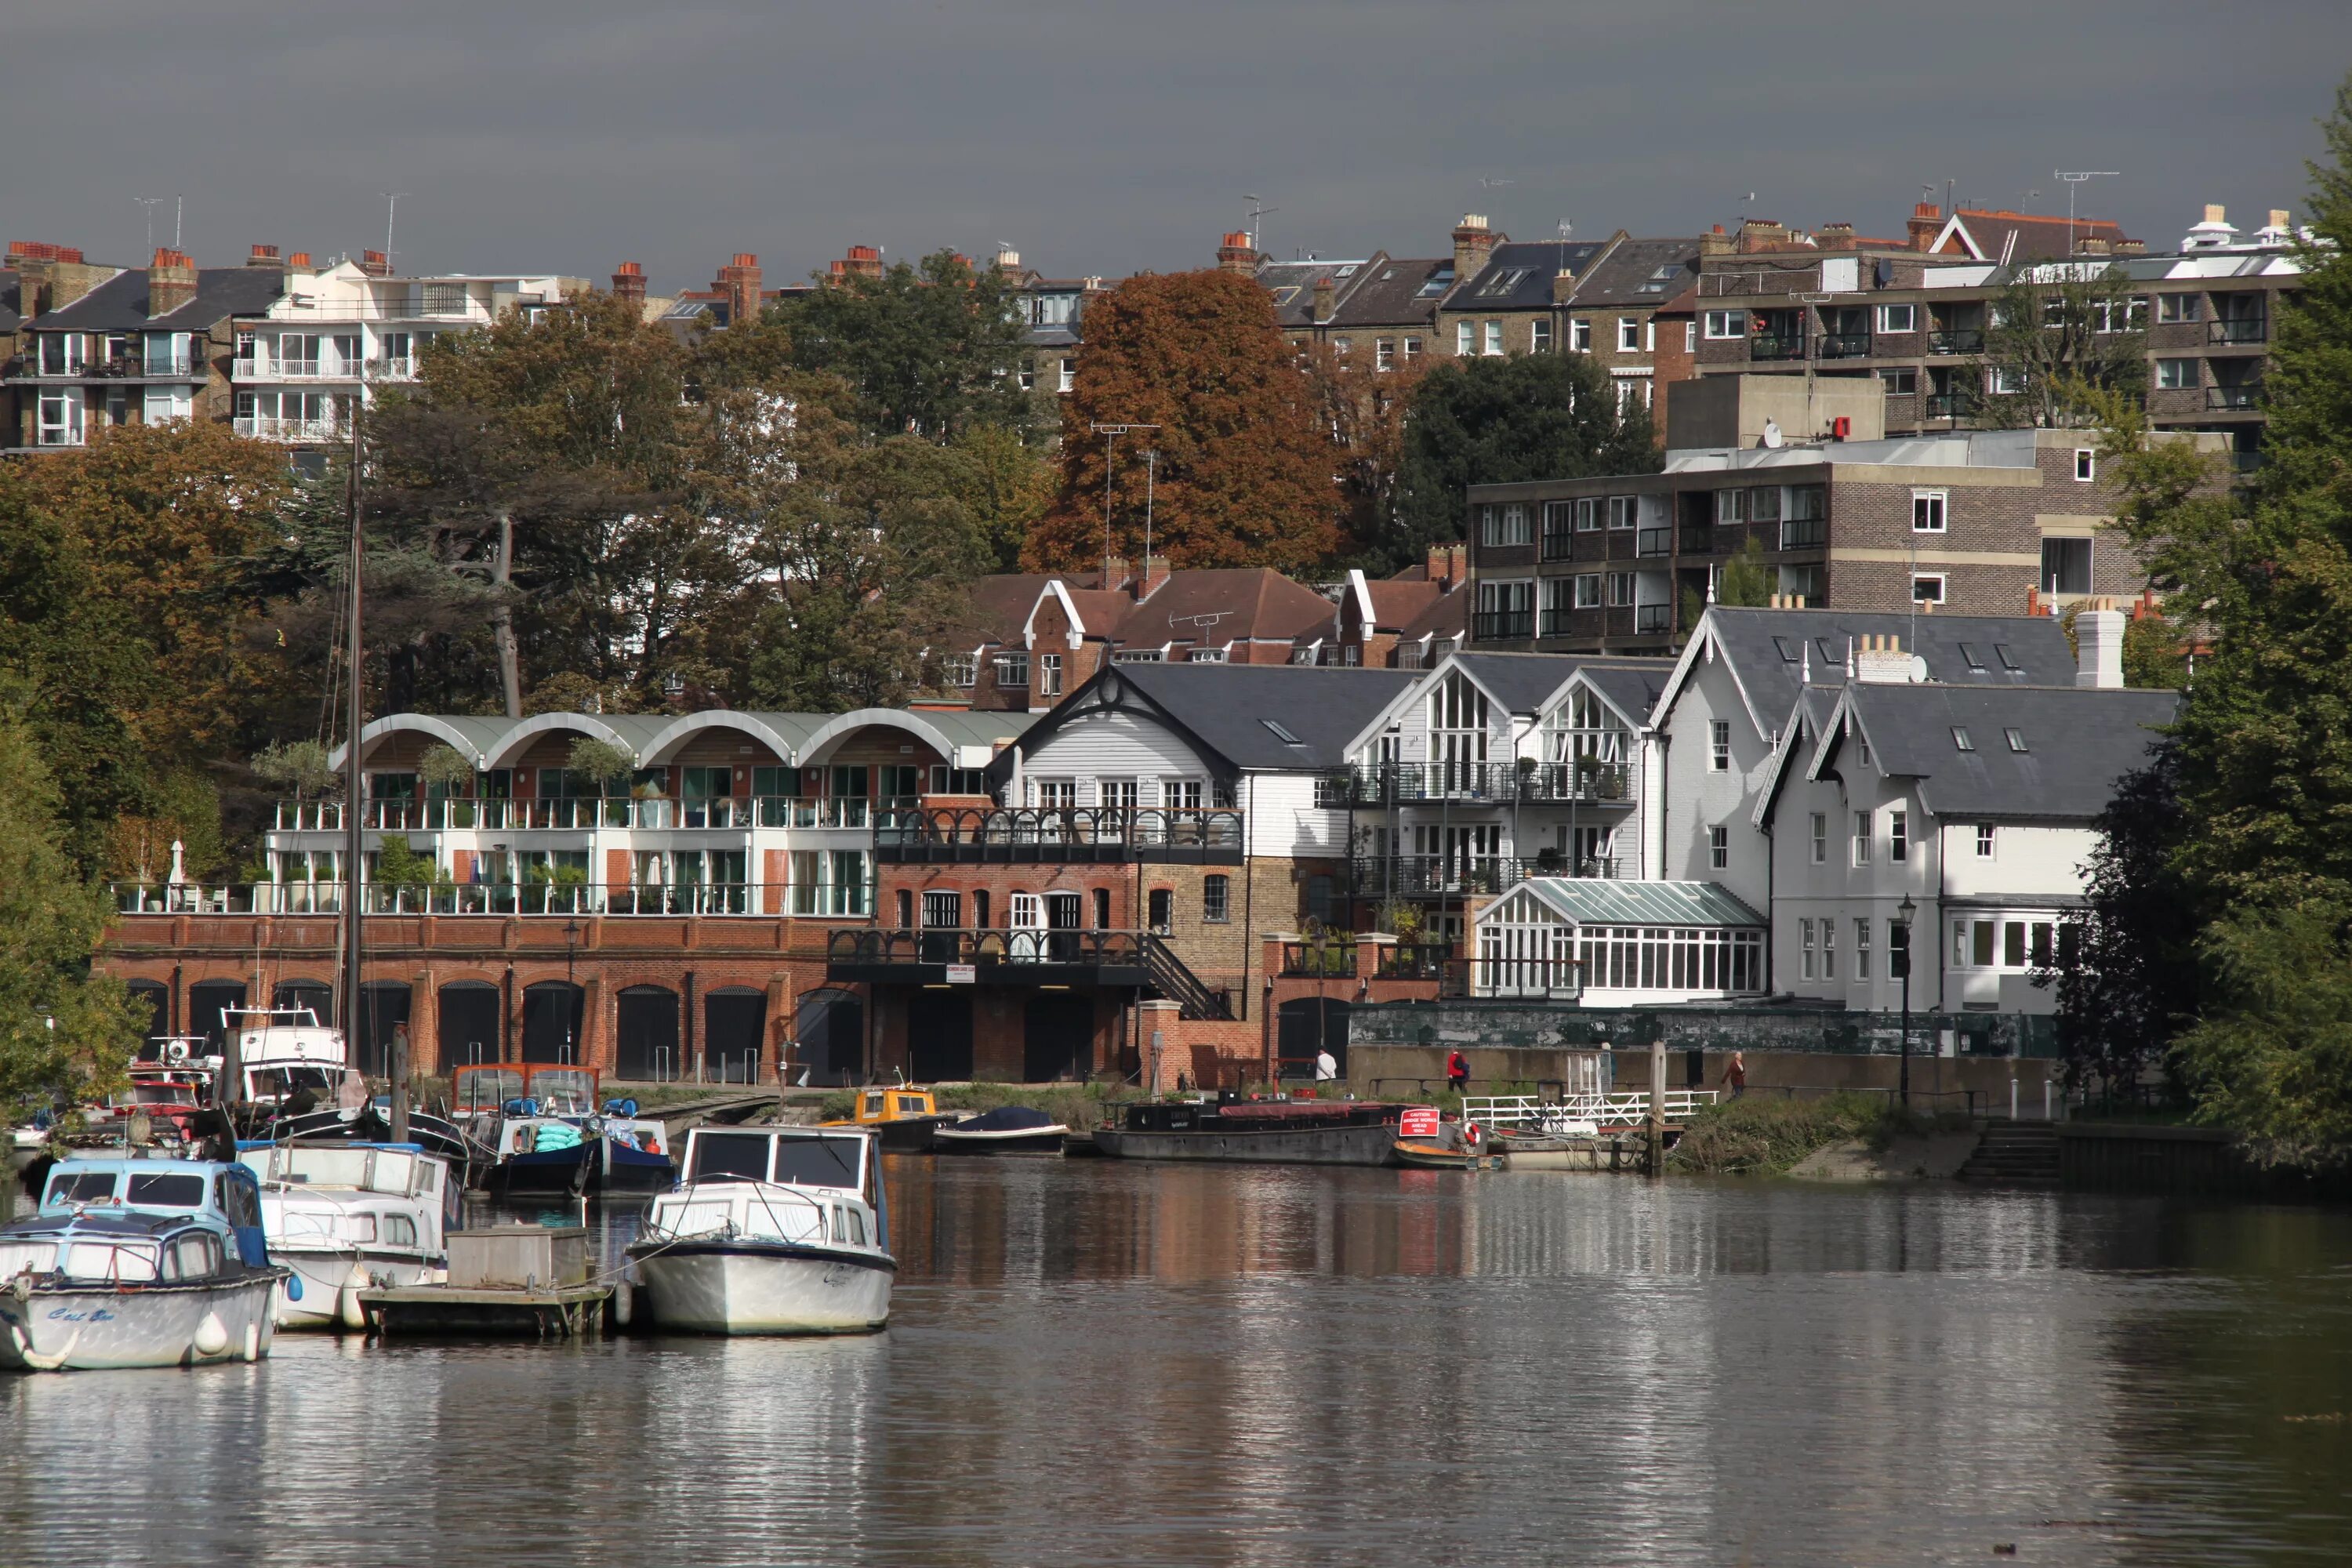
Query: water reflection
{"points": [[1100, 1361]]}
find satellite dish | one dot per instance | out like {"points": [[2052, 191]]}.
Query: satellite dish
{"points": [[1771, 433], [1918, 671]]}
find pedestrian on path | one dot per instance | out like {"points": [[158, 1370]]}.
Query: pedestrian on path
{"points": [[1327, 1066], [1457, 1071], [1734, 1076]]}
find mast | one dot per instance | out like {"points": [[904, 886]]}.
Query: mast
{"points": [[354, 805]]}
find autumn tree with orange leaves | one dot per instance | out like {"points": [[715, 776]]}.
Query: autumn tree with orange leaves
{"points": [[1245, 475]]}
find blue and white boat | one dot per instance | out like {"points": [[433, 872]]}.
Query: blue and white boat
{"points": [[554, 1138], [136, 1263], [775, 1230]]}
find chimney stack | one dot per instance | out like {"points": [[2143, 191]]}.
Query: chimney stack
{"points": [[300, 258], [51, 277], [265, 255], [1008, 260], [1880, 661], [740, 281], [1715, 243], [375, 264], [1236, 255], [629, 283], [1155, 572], [1448, 564], [1472, 242], [863, 261], [1926, 221], [1325, 293], [1563, 286], [2099, 644], [171, 283]]}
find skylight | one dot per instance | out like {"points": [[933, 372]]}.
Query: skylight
{"points": [[1439, 282], [1281, 733], [1504, 281], [2016, 740], [1960, 738], [1788, 651], [1976, 659], [2001, 651]]}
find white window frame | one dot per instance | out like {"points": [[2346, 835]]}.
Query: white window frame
{"points": [[1629, 335], [1722, 326], [1718, 748], [1539, 336], [1898, 318], [2176, 374], [1690, 336], [2087, 464], [1624, 592], [1820, 826], [1805, 947], [1588, 514], [1931, 512], [1069, 376], [1588, 591], [1580, 334], [1466, 339], [1494, 345], [1624, 512], [1861, 949], [1865, 828], [1942, 591], [1898, 835], [1719, 846], [1049, 675], [1828, 948], [1988, 842]]}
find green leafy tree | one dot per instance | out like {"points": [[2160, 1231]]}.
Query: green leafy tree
{"points": [[2055, 332], [2271, 1058], [65, 1029], [1747, 580], [930, 350], [1495, 421]]}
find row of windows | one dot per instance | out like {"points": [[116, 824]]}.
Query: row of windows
{"points": [[1822, 960], [1523, 959], [944, 910], [1863, 844]]}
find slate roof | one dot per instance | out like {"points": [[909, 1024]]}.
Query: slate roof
{"points": [[2079, 741], [1388, 293], [1522, 682], [2038, 237], [1225, 707], [1517, 275], [120, 304], [1627, 275], [1292, 284], [1766, 650], [1204, 606], [1632, 684], [1595, 900]]}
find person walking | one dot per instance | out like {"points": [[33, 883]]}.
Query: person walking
{"points": [[1457, 1071], [1327, 1067], [1734, 1076]]}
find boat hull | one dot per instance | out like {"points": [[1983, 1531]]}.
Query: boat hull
{"points": [[75, 1327], [1431, 1156], [1367, 1145], [1040, 1141], [549, 1173], [763, 1288], [331, 1282], [632, 1170]]}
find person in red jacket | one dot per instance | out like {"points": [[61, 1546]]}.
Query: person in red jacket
{"points": [[1457, 1071]]}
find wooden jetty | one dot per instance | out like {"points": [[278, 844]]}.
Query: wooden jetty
{"points": [[510, 1281]]}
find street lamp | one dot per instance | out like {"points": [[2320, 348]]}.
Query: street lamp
{"points": [[571, 991], [1903, 913]]}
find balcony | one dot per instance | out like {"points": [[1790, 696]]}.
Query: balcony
{"points": [[1652, 620], [1412, 960], [271, 428], [1531, 783], [547, 897], [1791, 347], [1804, 533], [588, 813], [1502, 625], [1002, 957], [1332, 958], [1957, 340], [1436, 876], [1655, 541], [2247, 395], [2244, 330], [1951, 405], [1033, 835], [1844, 345]]}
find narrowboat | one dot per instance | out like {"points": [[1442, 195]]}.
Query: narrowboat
{"points": [[553, 1137], [1276, 1131]]}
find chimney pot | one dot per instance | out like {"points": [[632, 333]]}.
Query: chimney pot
{"points": [[2215, 212], [629, 281], [1235, 254], [299, 259], [1473, 243], [170, 282], [375, 264]]}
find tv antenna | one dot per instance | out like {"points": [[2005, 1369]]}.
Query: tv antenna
{"points": [[391, 209], [1112, 433], [2074, 183], [1566, 228], [1258, 209], [150, 203]]}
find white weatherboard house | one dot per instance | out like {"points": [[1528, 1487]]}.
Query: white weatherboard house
{"points": [[1619, 944], [1973, 804]]}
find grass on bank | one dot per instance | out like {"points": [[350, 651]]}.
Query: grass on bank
{"points": [[1762, 1135]]}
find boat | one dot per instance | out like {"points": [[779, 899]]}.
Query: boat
{"points": [[136, 1263], [553, 1137], [298, 1086], [1281, 1132], [772, 1230], [347, 1217], [1007, 1129], [905, 1116]]}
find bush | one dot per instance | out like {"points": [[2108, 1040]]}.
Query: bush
{"points": [[1755, 1135]]}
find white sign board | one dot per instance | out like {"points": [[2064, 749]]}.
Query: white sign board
{"points": [[962, 975]]}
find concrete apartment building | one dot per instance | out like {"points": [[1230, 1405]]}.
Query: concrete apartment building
{"points": [[1911, 314], [1976, 522]]}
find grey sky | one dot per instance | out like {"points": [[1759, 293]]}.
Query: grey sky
{"points": [[1107, 136]]}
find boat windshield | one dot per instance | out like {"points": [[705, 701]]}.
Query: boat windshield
{"points": [[177, 1190], [486, 1088], [164, 1093], [730, 1156], [564, 1091], [80, 1187], [110, 1260], [27, 1257], [818, 1161], [281, 1083]]}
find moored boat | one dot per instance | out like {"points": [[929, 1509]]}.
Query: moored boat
{"points": [[553, 1137], [347, 1217], [1007, 1129], [772, 1230], [136, 1263], [904, 1116], [1303, 1132]]}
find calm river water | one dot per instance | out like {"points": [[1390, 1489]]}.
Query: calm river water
{"points": [[1097, 1362]]}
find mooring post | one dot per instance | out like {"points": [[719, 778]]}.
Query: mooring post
{"points": [[1658, 1106]]}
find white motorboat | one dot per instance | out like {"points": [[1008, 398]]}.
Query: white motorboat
{"points": [[136, 1263], [347, 1217], [773, 1230]]}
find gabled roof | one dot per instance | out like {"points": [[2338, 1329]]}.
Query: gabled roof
{"points": [[1230, 712], [1518, 274], [120, 304], [1799, 737], [1522, 684], [1642, 272], [1390, 293], [2077, 741], [1630, 685], [1986, 236], [1597, 900], [1292, 284], [1211, 606], [1772, 652]]}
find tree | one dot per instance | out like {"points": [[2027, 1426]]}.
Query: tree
{"points": [[1494, 421], [2054, 333], [2272, 1056], [65, 1030], [930, 350], [1363, 407], [1746, 580], [1244, 475]]}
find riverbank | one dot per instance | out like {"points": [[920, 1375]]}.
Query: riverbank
{"points": [[1838, 1137]]}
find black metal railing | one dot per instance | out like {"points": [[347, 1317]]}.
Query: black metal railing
{"points": [[1502, 625], [1427, 876], [1655, 541], [1845, 345], [1412, 960], [2248, 394], [1330, 958], [2243, 330], [1951, 405], [1003, 954], [1499, 782], [1769, 347], [1058, 833], [1804, 533], [1957, 340]]}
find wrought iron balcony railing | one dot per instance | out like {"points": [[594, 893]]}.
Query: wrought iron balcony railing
{"points": [[1502, 625], [1015, 834], [1498, 783], [1432, 875], [1844, 345], [553, 896], [2248, 394]]}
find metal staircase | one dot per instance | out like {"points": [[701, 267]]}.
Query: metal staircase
{"points": [[1173, 980]]}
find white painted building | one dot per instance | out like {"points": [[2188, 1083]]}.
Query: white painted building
{"points": [[1619, 944]]}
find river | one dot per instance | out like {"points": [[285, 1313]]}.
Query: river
{"points": [[1096, 1361]]}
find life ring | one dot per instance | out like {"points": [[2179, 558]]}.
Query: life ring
{"points": [[1471, 1136]]}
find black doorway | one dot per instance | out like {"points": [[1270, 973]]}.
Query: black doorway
{"points": [[551, 1014], [383, 1007], [1057, 1039], [645, 1042], [468, 1013], [830, 1029], [734, 1034], [1303, 1023], [938, 1035], [157, 996], [206, 1000]]}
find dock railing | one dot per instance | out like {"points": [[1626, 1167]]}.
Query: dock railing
{"points": [[1534, 1114]]}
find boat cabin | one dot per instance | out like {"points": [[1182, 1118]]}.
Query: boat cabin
{"points": [[365, 1194], [484, 1088], [226, 1197], [785, 1156], [875, 1106], [560, 1090], [287, 1050], [731, 1174]]}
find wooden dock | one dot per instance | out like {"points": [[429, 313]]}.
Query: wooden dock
{"points": [[572, 1311]]}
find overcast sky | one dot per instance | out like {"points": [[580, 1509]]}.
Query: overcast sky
{"points": [[1104, 136]]}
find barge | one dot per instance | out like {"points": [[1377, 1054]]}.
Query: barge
{"points": [[1276, 1132]]}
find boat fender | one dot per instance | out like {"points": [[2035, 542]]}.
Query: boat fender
{"points": [[348, 1311], [211, 1336], [294, 1286], [253, 1341], [625, 1303]]}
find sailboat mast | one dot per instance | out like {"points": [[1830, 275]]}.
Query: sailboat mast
{"points": [[354, 799]]}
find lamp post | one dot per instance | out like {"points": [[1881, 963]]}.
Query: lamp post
{"points": [[571, 991], [1903, 913]]}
